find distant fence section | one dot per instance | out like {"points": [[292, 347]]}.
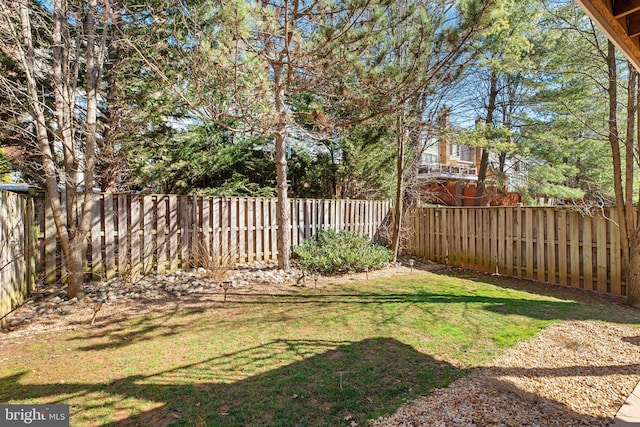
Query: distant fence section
{"points": [[17, 250], [144, 234], [552, 245]]}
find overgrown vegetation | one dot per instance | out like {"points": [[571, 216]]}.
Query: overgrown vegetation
{"points": [[332, 252]]}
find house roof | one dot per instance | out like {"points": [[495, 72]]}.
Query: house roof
{"points": [[620, 21]]}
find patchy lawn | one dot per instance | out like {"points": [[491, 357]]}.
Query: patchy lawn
{"points": [[341, 354]]}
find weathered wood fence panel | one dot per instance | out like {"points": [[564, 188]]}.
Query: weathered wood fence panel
{"points": [[145, 234], [552, 245], [17, 250]]}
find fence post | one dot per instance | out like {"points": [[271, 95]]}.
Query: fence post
{"points": [[31, 242]]}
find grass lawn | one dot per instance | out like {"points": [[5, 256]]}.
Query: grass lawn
{"points": [[322, 357]]}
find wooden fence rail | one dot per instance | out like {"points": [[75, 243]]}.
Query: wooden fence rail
{"points": [[17, 250], [552, 245], [144, 234]]}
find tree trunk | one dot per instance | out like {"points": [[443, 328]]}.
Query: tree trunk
{"points": [[71, 228], [64, 92], [75, 285], [37, 112], [397, 212], [484, 159], [629, 146], [633, 272], [282, 214], [630, 273], [75, 280], [112, 164]]}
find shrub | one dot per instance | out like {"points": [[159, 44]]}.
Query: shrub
{"points": [[331, 252]]}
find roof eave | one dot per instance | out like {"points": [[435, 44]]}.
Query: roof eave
{"points": [[601, 13]]}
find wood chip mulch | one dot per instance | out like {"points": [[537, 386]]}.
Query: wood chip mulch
{"points": [[575, 373]]}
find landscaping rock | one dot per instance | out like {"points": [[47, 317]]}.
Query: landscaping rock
{"points": [[118, 292]]}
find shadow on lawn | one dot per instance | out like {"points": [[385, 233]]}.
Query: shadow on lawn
{"points": [[333, 384], [123, 334], [566, 306], [527, 285], [132, 331], [580, 307], [594, 305]]}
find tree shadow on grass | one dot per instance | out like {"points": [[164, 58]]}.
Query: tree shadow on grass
{"points": [[582, 304], [333, 383], [122, 333], [581, 307], [281, 308]]}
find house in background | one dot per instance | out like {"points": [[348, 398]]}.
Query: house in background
{"points": [[448, 174]]}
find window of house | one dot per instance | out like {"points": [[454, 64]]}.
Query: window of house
{"points": [[467, 153], [429, 159], [454, 150]]}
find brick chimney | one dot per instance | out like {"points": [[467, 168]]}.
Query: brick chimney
{"points": [[444, 122]]}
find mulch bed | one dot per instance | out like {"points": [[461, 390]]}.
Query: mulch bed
{"points": [[574, 373]]}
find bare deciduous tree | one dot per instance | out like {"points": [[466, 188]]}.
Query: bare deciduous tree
{"points": [[60, 52]]}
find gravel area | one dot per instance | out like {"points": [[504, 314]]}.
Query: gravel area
{"points": [[575, 373]]}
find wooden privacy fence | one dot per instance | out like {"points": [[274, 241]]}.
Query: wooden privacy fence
{"points": [[552, 245], [17, 250], [143, 234]]}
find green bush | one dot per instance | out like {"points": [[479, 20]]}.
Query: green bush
{"points": [[331, 252]]}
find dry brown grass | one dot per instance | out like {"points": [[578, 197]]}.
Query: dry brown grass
{"points": [[213, 260]]}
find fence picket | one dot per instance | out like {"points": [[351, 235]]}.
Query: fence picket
{"points": [[508, 269], [250, 230], [615, 254], [552, 276], [260, 255], [173, 233], [148, 220], [540, 245], [225, 205], [587, 253], [562, 248], [96, 240], [123, 235], [501, 265], [518, 244], [185, 224], [136, 236], [161, 234], [574, 248], [241, 227], [273, 241], [601, 252], [545, 244], [50, 242], [109, 237]]}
